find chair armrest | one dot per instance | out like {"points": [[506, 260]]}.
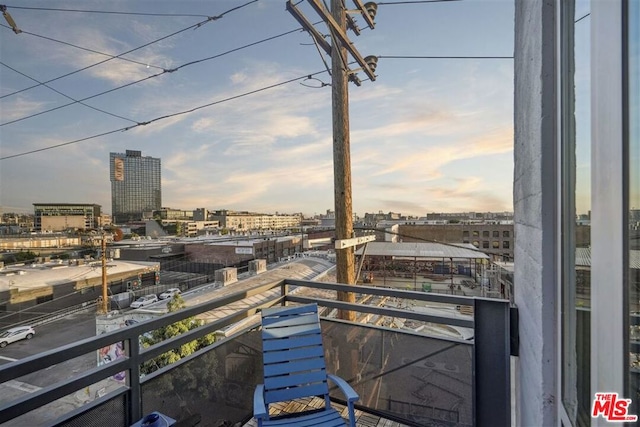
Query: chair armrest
{"points": [[259, 408], [346, 389]]}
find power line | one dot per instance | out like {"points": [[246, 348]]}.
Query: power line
{"points": [[194, 26], [191, 110], [442, 57], [155, 75], [177, 15], [238, 48], [67, 96], [415, 2], [83, 99], [580, 19], [86, 49]]}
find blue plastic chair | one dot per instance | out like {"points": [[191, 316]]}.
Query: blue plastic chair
{"points": [[294, 368]]}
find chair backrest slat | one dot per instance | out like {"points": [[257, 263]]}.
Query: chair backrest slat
{"points": [[291, 319], [292, 342], [293, 380], [289, 331], [295, 366], [292, 352]]}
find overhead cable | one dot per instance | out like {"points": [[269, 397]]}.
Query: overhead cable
{"points": [[86, 49], [415, 2], [153, 76], [442, 57], [191, 27], [177, 15], [179, 113], [66, 96], [580, 19]]}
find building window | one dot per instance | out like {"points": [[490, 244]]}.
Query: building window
{"points": [[575, 166], [485, 244], [465, 233], [485, 233], [495, 244], [476, 233], [476, 243], [633, 203], [505, 244], [496, 233], [505, 233]]}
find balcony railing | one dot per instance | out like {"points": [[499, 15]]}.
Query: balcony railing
{"points": [[450, 370]]}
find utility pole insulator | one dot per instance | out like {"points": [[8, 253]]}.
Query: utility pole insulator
{"points": [[339, 31], [9, 19]]}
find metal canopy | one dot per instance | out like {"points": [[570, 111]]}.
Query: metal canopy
{"points": [[424, 250]]}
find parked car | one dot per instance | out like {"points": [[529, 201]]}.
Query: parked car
{"points": [[145, 300], [16, 334], [169, 293]]}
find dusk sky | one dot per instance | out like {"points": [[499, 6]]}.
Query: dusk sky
{"points": [[429, 135]]}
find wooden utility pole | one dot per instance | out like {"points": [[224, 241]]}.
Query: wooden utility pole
{"points": [[340, 76], [345, 260], [104, 306]]}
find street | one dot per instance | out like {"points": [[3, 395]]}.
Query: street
{"points": [[55, 334]]}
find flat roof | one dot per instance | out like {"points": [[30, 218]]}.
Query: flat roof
{"points": [[426, 250], [583, 258], [24, 277]]}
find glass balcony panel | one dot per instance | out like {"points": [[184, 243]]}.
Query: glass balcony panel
{"points": [[215, 386], [423, 380]]}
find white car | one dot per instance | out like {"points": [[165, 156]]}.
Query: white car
{"points": [[16, 334], [145, 300], [169, 293]]}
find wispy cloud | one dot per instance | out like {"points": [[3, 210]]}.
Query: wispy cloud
{"points": [[17, 107]]}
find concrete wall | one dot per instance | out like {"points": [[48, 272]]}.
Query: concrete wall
{"points": [[258, 266], [227, 276], [534, 197]]}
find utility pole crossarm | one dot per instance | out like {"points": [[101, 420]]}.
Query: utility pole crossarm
{"points": [[365, 14], [342, 37], [308, 27]]}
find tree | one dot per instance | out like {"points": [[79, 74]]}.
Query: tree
{"points": [[117, 235], [192, 385], [25, 256], [176, 303]]}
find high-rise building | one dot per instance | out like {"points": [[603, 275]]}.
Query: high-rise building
{"points": [[135, 185]]}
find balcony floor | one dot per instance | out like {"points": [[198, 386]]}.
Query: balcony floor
{"points": [[363, 419]]}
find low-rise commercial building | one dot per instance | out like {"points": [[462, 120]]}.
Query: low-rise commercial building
{"points": [[495, 239], [233, 220], [31, 290], [66, 216]]}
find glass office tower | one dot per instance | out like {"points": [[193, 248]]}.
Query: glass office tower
{"points": [[135, 185]]}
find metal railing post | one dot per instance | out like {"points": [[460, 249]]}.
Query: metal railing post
{"points": [[492, 363], [132, 350]]}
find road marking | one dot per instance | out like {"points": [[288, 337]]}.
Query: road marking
{"points": [[8, 358], [19, 385]]}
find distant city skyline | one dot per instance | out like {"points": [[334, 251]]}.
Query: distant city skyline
{"points": [[429, 135]]}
